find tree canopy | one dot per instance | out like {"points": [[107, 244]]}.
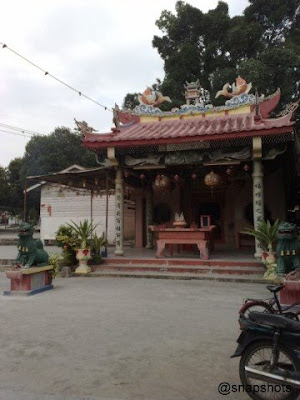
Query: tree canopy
{"points": [[55, 152], [43, 155], [262, 45]]}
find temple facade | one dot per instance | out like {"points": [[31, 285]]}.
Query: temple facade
{"points": [[230, 166]]}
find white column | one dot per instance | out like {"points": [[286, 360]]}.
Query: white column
{"points": [[149, 217], [258, 201], [119, 212]]}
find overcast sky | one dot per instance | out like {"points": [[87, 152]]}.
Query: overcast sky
{"points": [[100, 47]]}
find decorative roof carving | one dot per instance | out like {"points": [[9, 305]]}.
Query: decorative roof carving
{"points": [[152, 98], [239, 87]]}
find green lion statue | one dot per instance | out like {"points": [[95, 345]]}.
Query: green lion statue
{"points": [[31, 251], [288, 249]]}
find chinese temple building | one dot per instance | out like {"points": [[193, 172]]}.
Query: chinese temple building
{"points": [[233, 164]]}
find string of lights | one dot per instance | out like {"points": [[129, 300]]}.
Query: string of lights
{"points": [[46, 73]]}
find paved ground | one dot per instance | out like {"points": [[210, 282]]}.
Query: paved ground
{"points": [[121, 339]]}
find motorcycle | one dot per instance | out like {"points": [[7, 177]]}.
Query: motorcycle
{"points": [[269, 347]]}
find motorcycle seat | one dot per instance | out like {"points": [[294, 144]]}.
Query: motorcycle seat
{"points": [[275, 288], [275, 321]]}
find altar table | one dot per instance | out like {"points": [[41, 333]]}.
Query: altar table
{"points": [[201, 237]]}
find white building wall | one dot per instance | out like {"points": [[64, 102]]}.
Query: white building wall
{"points": [[62, 205]]}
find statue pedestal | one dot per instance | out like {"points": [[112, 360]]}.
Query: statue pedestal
{"points": [[28, 281], [291, 292]]}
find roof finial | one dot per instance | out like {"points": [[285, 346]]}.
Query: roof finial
{"points": [[116, 119]]}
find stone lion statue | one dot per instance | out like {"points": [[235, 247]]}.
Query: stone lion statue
{"points": [[31, 252]]}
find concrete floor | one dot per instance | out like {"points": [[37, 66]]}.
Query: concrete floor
{"points": [[121, 339]]}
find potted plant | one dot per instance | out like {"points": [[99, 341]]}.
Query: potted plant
{"points": [[266, 234], [83, 231], [96, 244], [67, 239]]}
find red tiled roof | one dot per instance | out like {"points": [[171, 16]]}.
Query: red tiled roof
{"points": [[202, 128]]}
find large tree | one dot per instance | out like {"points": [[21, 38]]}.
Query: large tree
{"points": [[43, 155], [16, 183], [55, 152], [262, 45]]}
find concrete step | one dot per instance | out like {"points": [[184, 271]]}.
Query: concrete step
{"points": [[181, 261], [182, 276], [192, 269]]}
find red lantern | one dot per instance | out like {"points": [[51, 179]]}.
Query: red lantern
{"points": [[161, 183], [212, 179], [194, 176], [142, 177], [126, 173]]}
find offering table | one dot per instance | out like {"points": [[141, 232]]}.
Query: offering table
{"points": [[200, 236]]}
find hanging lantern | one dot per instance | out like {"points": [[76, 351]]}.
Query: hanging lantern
{"points": [[246, 167], [194, 176], [96, 181], [142, 177], [212, 179], [176, 178], [84, 183], [228, 171], [126, 173], [161, 183]]}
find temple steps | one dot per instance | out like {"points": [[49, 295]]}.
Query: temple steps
{"points": [[176, 269], [230, 271]]}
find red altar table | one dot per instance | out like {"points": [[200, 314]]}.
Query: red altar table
{"points": [[201, 237]]}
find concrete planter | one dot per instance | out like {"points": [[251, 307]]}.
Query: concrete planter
{"points": [[83, 255]]}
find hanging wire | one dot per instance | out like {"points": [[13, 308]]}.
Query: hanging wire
{"points": [[4, 46], [16, 128], [17, 133]]}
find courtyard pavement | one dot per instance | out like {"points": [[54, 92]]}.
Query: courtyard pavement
{"points": [[121, 339]]}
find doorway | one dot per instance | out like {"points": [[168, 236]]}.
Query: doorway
{"points": [[214, 210]]}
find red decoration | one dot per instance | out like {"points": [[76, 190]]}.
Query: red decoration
{"points": [[126, 173], [194, 176], [142, 177]]}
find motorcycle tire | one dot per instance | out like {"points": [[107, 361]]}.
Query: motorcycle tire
{"points": [[263, 351], [256, 305]]}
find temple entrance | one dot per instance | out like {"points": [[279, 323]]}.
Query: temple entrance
{"points": [[214, 210]]}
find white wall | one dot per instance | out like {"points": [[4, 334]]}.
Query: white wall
{"points": [[62, 205]]}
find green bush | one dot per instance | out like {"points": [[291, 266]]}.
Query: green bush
{"points": [[96, 244], [266, 234], [66, 238]]}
